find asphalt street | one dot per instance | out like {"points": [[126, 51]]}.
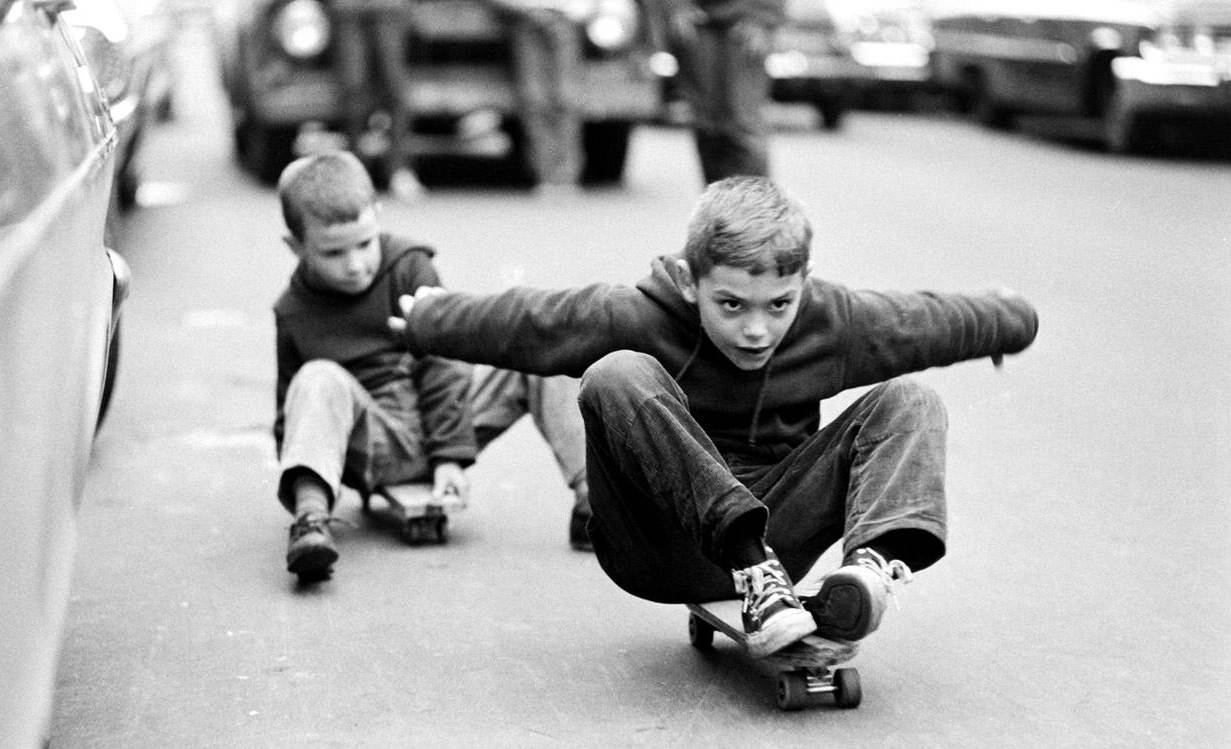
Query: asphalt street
{"points": [[1084, 602]]}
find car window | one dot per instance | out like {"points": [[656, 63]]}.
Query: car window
{"points": [[49, 127]]}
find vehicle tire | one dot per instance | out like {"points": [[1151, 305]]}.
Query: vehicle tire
{"points": [[127, 184], [1123, 129], [265, 151], [605, 148], [113, 368], [984, 108], [832, 113]]}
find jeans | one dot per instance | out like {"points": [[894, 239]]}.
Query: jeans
{"points": [[664, 497], [347, 435], [547, 56], [727, 88]]}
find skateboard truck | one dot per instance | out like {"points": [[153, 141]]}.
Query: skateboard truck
{"points": [[805, 670], [423, 518]]}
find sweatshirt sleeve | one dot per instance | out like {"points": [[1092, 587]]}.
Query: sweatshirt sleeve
{"points": [[528, 330], [442, 385], [896, 333], [289, 363]]}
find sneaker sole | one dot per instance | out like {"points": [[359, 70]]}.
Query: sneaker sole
{"points": [[850, 597], [785, 629], [313, 563]]}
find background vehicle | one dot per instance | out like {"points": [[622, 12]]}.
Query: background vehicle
{"points": [[1131, 65], [279, 71], [128, 48], [60, 293], [836, 54]]}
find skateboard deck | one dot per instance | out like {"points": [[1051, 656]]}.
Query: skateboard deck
{"points": [[805, 670], [422, 517]]}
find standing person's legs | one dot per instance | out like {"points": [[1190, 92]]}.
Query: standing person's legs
{"points": [[352, 51], [726, 86], [499, 397], [546, 55], [389, 36]]}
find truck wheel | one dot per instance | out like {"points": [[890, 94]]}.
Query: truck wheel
{"points": [[606, 150], [1123, 130], [265, 150], [984, 107]]}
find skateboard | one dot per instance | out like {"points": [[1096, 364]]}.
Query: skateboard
{"points": [[805, 671], [423, 518]]}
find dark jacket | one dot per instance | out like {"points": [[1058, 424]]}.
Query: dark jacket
{"points": [[353, 331], [840, 339]]}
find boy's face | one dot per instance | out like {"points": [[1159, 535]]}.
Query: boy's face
{"points": [[745, 315], [342, 257]]}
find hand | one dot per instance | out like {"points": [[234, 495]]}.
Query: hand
{"points": [[406, 303], [450, 478]]}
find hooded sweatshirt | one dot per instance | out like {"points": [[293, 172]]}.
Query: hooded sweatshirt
{"points": [[840, 339], [352, 330]]}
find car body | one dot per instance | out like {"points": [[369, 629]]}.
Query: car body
{"points": [[1130, 65], [128, 44], [279, 69], [60, 294]]}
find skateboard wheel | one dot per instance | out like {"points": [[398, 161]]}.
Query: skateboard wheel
{"points": [[847, 691], [792, 690], [700, 633], [438, 527]]}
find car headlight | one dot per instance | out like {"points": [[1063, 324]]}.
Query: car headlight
{"points": [[613, 24], [302, 28]]}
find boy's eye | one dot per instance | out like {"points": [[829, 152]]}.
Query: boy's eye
{"points": [[730, 305], [780, 305]]}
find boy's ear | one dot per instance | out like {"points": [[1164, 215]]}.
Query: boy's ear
{"points": [[295, 245], [688, 284]]}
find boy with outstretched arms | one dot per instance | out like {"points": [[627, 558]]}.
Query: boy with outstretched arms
{"points": [[700, 394], [353, 407]]}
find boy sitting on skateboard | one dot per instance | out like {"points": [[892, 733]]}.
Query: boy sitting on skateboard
{"points": [[353, 407], [700, 395]]}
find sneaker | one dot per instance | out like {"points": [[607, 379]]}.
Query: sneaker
{"points": [[853, 597], [773, 616], [311, 552]]}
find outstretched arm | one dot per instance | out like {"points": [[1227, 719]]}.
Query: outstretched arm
{"points": [[528, 330], [893, 334]]}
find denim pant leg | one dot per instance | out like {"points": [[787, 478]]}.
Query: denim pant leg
{"points": [[499, 397], [727, 88], [878, 467], [662, 496], [340, 432]]}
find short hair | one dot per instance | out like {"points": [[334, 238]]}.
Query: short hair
{"points": [[332, 187], [749, 223]]}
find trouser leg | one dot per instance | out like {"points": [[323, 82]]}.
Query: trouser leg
{"points": [[546, 55], [662, 496], [727, 87], [499, 397], [334, 428], [878, 468]]}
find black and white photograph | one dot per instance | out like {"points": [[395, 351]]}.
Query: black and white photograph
{"points": [[615, 373]]}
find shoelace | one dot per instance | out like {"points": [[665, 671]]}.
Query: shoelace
{"points": [[309, 522], [893, 572], [768, 583]]}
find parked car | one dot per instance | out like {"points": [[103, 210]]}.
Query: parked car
{"points": [[128, 45], [1130, 65], [280, 72], [60, 297]]}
